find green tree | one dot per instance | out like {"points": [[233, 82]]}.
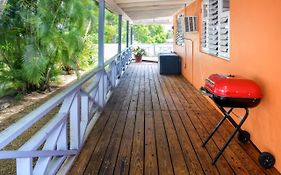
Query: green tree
{"points": [[38, 37], [111, 27], [150, 34]]}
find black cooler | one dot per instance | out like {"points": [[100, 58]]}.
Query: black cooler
{"points": [[169, 63]]}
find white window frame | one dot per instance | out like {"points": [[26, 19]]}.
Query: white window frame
{"points": [[215, 36]]}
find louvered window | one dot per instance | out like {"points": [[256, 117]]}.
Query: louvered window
{"points": [[180, 30], [215, 28], [204, 35]]}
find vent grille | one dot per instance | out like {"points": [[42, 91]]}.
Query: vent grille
{"points": [[191, 24]]}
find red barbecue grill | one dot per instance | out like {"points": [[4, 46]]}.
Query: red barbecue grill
{"points": [[229, 91]]}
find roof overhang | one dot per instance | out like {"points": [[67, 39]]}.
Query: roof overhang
{"points": [[160, 20], [112, 6], [138, 10]]}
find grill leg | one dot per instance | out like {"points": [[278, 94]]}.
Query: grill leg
{"points": [[216, 128], [231, 136]]}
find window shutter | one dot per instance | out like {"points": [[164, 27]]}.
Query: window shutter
{"points": [[215, 38], [204, 35], [224, 36], [213, 27], [180, 30]]}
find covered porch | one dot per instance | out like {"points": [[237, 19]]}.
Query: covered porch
{"points": [[126, 118]]}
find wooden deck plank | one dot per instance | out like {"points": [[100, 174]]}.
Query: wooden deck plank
{"points": [[137, 159], [110, 157], [191, 159], [211, 147], [167, 97], [163, 153], [147, 92], [126, 102], [161, 97], [87, 150], [175, 149], [150, 165], [124, 154], [141, 75], [172, 92], [154, 95], [99, 152], [155, 124], [202, 153], [135, 94], [126, 80]]}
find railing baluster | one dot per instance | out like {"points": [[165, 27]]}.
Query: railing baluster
{"points": [[105, 85], [75, 114], [113, 74], [84, 114], [50, 144], [101, 90], [24, 166], [62, 141]]}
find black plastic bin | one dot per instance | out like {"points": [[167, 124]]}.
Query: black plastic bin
{"points": [[169, 63]]}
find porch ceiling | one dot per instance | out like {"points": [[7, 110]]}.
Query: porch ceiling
{"points": [[150, 9]]}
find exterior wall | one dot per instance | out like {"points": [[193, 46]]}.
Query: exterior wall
{"points": [[255, 53]]}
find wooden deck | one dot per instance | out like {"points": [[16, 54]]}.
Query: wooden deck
{"points": [[155, 124]]}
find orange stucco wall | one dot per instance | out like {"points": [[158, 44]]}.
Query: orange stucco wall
{"points": [[255, 28]]}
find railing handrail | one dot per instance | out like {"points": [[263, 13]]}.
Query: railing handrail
{"points": [[154, 49], [18, 128]]}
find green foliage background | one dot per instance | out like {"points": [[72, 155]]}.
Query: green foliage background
{"points": [[39, 38], [150, 34]]}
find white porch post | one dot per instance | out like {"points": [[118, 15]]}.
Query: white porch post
{"points": [[101, 94], [132, 35], [127, 34], [119, 33]]}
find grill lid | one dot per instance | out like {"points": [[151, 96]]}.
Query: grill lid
{"points": [[233, 86]]}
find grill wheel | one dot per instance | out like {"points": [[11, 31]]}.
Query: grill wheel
{"points": [[243, 136], [266, 160]]}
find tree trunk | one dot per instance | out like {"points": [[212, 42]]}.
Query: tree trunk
{"points": [[47, 81], [2, 6]]}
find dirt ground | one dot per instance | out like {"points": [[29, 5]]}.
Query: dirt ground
{"points": [[16, 109], [19, 108]]}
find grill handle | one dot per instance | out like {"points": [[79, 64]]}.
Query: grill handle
{"points": [[204, 91], [209, 81]]}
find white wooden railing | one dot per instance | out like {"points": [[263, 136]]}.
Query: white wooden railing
{"points": [[54, 147], [153, 50]]}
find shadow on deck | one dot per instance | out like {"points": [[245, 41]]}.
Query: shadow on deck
{"points": [[155, 124]]}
